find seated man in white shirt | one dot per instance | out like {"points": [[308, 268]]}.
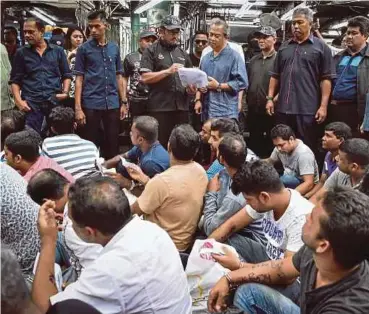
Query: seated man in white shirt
{"points": [[139, 269]]}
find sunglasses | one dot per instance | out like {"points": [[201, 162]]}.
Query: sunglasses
{"points": [[204, 42]]}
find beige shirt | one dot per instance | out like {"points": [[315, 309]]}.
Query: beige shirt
{"points": [[173, 200]]}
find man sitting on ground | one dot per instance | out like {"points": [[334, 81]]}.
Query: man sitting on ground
{"points": [[353, 164], [220, 202], [139, 268], [332, 265], [22, 153], [334, 135], [73, 153], [173, 199], [12, 121], [298, 161]]}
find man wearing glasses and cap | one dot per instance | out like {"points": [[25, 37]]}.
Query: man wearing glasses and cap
{"points": [[138, 92], [168, 99], [258, 70]]}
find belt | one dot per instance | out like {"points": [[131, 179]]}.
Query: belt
{"points": [[343, 102]]}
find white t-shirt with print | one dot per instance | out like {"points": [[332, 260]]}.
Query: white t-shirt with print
{"points": [[285, 233]]}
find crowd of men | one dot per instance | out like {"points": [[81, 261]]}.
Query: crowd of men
{"points": [[121, 230]]}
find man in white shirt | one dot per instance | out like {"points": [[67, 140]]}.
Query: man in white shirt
{"points": [[139, 269]]}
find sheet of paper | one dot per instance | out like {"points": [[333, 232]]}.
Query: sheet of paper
{"points": [[193, 76]]}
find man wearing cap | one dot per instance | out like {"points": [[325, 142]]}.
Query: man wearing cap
{"points": [[168, 99], [258, 122], [138, 92]]}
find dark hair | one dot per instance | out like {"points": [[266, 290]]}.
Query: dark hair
{"points": [[24, 143], [184, 142], [48, 184], [58, 31], [99, 14], [346, 227], [15, 297], [71, 30], [256, 177], [201, 32], [360, 21], [340, 129], [225, 125], [12, 29], [357, 151], [148, 127], [364, 186], [99, 203], [39, 23], [233, 149], [61, 119], [283, 131], [12, 121]]}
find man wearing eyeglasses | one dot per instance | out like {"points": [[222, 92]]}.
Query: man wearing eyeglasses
{"points": [[168, 99]]}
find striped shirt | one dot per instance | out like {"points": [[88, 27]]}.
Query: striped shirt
{"points": [[74, 154]]}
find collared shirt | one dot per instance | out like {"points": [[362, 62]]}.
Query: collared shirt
{"points": [[40, 77], [99, 65], [227, 67], [346, 84], [258, 72], [300, 68], [6, 100], [138, 271], [168, 94]]}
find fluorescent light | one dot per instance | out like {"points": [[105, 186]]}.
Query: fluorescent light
{"points": [[123, 3], [42, 17], [339, 25], [147, 6], [288, 15], [331, 33], [244, 8]]}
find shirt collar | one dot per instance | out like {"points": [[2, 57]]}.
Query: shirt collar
{"points": [[49, 46], [261, 56], [310, 38], [223, 50], [95, 43]]}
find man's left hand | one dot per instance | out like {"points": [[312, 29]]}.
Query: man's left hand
{"points": [[217, 301], [123, 111], [191, 89], [137, 174], [47, 224], [214, 184], [321, 114], [61, 97], [123, 182], [213, 83]]}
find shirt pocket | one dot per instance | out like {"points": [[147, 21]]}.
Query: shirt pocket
{"points": [[51, 65], [309, 59]]}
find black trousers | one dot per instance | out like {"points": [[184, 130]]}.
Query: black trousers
{"points": [[109, 141], [167, 121]]}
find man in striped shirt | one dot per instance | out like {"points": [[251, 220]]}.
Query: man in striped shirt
{"points": [[74, 154]]}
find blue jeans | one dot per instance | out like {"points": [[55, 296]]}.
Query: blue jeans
{"points": [[254, 298], [61, 255], [289, 181]]}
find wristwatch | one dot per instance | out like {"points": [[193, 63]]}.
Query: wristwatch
{"points": [[219, 88], [270, 98], [124, 102]]}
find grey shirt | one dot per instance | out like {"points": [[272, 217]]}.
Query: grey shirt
{"points": [[338, 178], [299, 163]]}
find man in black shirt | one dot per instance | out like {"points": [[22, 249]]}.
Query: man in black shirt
{"points": [[200, 43], [332, 266], [138, 92], [168, 99]]}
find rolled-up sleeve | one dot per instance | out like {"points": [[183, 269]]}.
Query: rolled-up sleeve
{"points": [[80, 62], [327, 64], [147, 61], [65, 70], [18, 70], [238, 78], [118, 63]]}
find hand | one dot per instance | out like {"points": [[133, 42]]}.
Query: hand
{"points": [[123, 182], [362, 128], [123, 111], [61, 97], [203, 90], [214, 184], [213, 83], [23, 106], [137, 174], [174, 68], [217, 301], [198, 107], [230, 260], [239, 106], [80, 117], [270, 107], [191, 89], [47, 224], [321, 114]]}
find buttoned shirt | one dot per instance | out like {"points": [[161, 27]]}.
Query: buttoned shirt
{"points": [[99, 65], [300, 67], [40, 77]]}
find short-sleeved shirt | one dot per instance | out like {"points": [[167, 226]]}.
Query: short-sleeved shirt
{"points": [[6, 100], [285, 233], [99, 65], [340, 179], [299, 163], [329, 164], [152, 162], [138, 271], [227, 67], [40, 77], [173, 200], [168, 94], [300, 68], [348, 295]]}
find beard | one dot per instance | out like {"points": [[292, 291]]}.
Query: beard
{"points": [[168, 45]]}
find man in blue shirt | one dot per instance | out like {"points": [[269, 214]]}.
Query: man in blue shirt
{"points": [[41, 71], [99, 87], [227, 76]]}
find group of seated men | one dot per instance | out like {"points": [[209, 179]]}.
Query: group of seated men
{"points": [[302, 240]]}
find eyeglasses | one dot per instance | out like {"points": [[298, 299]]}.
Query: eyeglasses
{"points": [[204, 42]]}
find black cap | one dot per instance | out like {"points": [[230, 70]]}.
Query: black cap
{"points": [[147, 33], [171, 22], [267, 30]]}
